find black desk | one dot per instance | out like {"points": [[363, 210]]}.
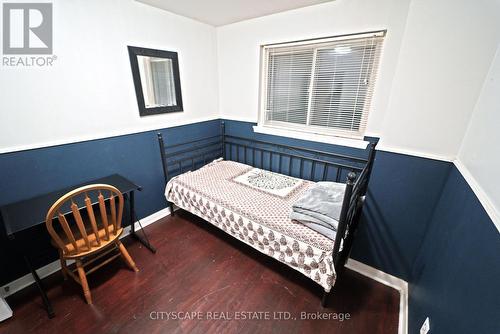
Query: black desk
{"points": [[26, 214]]}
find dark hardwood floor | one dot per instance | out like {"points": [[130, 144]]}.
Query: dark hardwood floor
{"points": [[201, 270]]}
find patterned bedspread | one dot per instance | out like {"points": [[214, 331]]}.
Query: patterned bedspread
{"points": [[253, 205]]}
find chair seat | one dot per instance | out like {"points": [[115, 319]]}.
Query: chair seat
{"points": [[94, 246]]}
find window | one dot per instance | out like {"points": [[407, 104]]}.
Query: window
{"points": [[322, 86]]}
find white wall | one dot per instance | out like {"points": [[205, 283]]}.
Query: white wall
{"points": [[238, 47], [89, 92], [436, 56], [435, 59], [480, 152], [447, 48]]}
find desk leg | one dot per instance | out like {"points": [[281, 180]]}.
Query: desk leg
{"points": [[132, 225], [41, 289]]}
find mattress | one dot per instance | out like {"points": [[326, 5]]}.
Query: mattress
{"points": [[253, 206]]}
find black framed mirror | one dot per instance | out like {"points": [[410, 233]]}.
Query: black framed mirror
{"points": [[156, 80]]}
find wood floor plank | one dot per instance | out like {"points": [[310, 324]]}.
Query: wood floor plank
{"points": [[199, 268]]}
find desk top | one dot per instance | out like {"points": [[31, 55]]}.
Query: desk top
{"points": [[28, 213]]}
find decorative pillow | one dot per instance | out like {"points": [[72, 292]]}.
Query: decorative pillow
{"points": [[269, 182]]}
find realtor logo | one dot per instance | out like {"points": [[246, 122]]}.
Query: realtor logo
{"points": [[27, 28]]}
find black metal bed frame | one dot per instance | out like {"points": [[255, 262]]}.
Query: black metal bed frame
{"points": [[194, 154]]}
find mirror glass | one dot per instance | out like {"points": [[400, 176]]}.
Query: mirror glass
{"points": [[157, 81]]}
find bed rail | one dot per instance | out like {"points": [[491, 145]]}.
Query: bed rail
{"points": [[294, 161]]}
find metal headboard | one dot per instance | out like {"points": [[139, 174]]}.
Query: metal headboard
{"points": [[281, 159], [193, 154]]}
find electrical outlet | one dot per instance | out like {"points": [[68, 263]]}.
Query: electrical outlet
{"points": [[426, 326]]}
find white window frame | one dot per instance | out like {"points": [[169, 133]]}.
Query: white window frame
{"points": [[314, 133]]}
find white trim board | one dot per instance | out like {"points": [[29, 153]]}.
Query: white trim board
{"points": [[49, 269], [389, 280], [380, 147], [328, 139], [484, 199], [110, 134], [419, 154], [117, 133], [239, 119]]}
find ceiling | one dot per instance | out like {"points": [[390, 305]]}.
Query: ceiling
{"points": [[221, 12]]}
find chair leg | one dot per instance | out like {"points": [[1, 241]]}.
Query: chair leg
{"points": [[63, 265], [126, 256], [83, 281]]}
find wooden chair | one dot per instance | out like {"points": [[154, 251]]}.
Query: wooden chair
{"points": [[89, 237]]}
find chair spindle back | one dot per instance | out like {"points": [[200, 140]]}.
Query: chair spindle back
{"points": [[93, 231]]}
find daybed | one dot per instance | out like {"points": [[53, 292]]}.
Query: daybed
{"points": [[253, 204]]}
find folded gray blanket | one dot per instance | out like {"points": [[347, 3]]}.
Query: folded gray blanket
{"points": [[317, 226], [319, 207]]}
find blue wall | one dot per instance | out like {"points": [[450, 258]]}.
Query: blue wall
{"points": [[244, 129], [456, 276], [33, 172], [403, 192], [421, 222]]}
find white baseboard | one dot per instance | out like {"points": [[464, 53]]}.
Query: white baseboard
{"points": [[27, 280], [5, 310], [389, 280], [370, 272]]}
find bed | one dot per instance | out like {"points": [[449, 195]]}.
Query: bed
{"points": [[246, 188]]}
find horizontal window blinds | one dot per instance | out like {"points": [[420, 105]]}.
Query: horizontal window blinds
{"points": [[324, 86], [288, 85]]}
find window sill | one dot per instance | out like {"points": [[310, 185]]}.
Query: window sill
{"points": [[355, 143]]}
